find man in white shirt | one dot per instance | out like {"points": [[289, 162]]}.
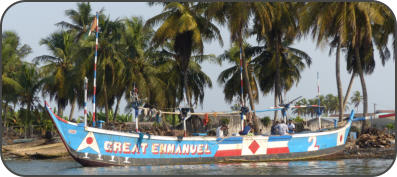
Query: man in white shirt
{"points": [[283, 128], [219, 131], [291, 127]]}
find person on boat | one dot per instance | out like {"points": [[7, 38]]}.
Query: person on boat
{"points": [[282, 128], [246, 129], [274, 130], [291, 127], [219, 131]]}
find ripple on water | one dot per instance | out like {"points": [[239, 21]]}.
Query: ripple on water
{"points": [[337, 167]]}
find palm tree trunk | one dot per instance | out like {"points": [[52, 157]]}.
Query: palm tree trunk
{"points": [[339, 82], [72, 108], [117, 108], [5, 115], [363, 86], [60, 112], [277, 87], [185, 83], [348, 90], [106, 105], [28, 121], [248, 85]]}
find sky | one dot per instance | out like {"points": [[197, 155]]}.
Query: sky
{"points": [[33, 21]]}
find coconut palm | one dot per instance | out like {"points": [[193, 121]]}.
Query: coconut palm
{"points": [[347, 25], [81, 19], [170, 73], [279, 65], [12, 53], [183, 24], [134, 41], [237, 22], [231, 76], [57, 69], [30, 80], [381, 32], [356, 99], [109, 64], [325, 21]]}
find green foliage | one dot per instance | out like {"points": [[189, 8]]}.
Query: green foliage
{"points": [[298, 119], [266, 121], [224, 121], [172, 119], [390, 126]]}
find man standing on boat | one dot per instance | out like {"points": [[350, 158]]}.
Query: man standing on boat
{"points": [[283, 128], [291, 127]]}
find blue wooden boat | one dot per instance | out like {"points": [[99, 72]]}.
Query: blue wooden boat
{"points": [[92, 146]]}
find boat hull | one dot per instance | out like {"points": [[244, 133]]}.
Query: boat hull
{"points": [[93, 160], [98, 147]]}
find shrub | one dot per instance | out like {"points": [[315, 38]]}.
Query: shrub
{"points": [[224, 121], [390, 126], [266, 121], [298, 119]]}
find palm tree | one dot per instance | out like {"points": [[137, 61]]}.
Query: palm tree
{"points": [[347, 25], [381, 32], [31, 82], [325, 21], [81, 19], [58, 69], [183, 24], [301, 112], [134, 41], [237, 16], [279, 65], [238, 23], [231, 76], [12, 53], [170, 73], [356, 99], [110, 64]]}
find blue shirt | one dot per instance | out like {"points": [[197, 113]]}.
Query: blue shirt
{"points": [[246, 129]]}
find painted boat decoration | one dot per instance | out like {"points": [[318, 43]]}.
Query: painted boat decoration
{"points": [[92, 146]]}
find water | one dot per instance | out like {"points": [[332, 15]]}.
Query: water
{"points": [[337, 167]]}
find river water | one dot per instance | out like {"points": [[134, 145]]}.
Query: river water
{"points": [[337, 167]]}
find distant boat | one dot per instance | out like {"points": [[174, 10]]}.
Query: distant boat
{"points": [[92, 146]]}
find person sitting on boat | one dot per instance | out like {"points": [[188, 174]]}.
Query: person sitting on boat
{"points": [[246, 129], [282, 128], [219, 131], [291, 127], [274, 130]]}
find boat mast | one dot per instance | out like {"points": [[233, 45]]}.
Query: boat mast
{"points": [[241, 89], [96, 57], [135, 105], [318, 95], [85, 100]]}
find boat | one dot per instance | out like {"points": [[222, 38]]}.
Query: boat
{"points": [[93, 146]]}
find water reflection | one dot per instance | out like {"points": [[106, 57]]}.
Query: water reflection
{"points": [[337, 167]]}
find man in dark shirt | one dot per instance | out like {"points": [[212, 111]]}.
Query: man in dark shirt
{"points": [[246, 129], [274, 130]]}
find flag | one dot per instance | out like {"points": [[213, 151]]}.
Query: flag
{"points": [[93, 26]]}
